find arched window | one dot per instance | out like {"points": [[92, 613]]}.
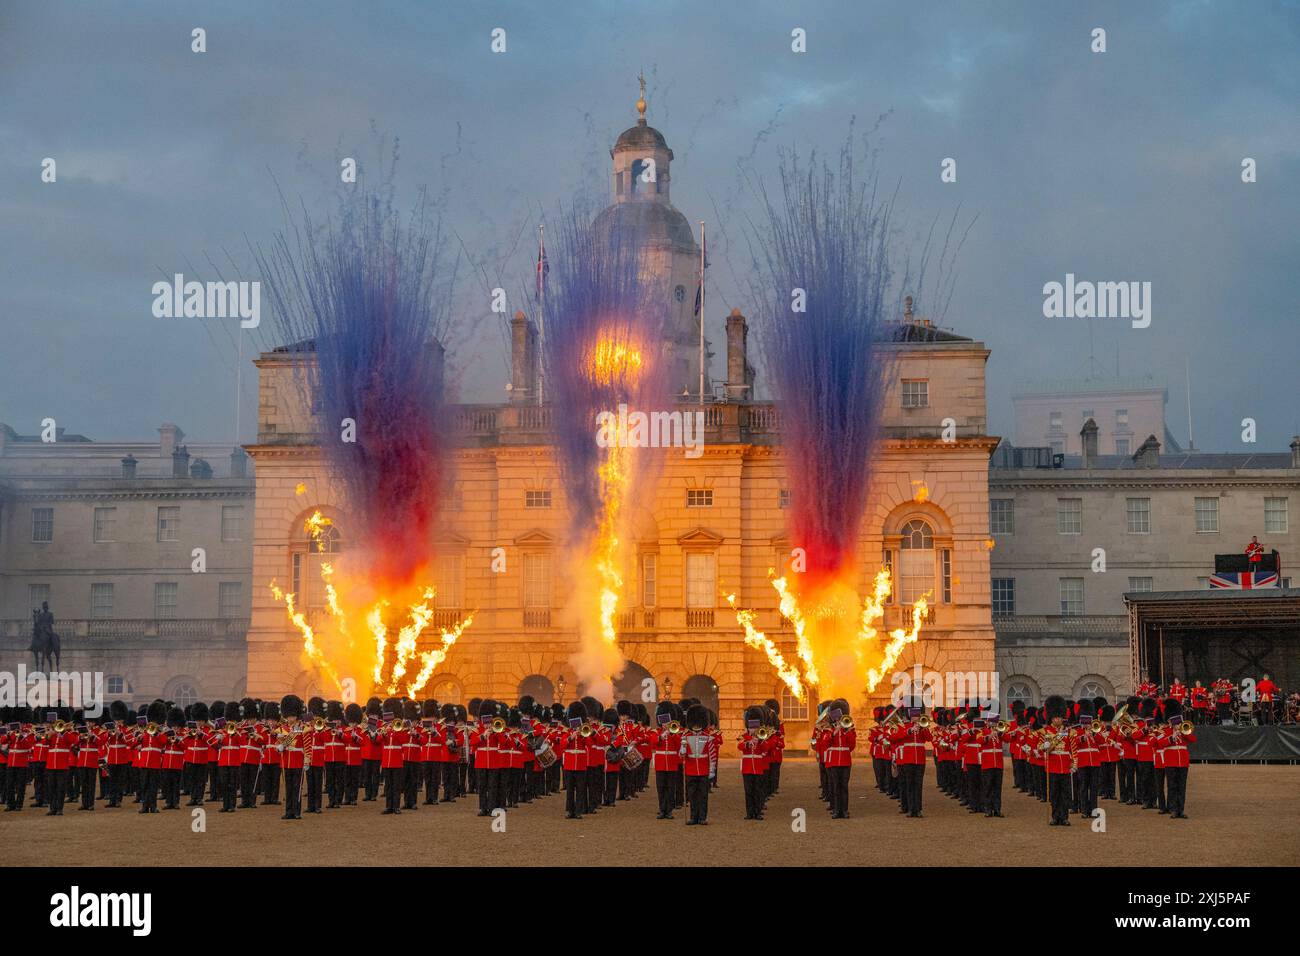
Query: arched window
{"points": [[704, 689], [916, 563], [537, 687], [309, 554], [1091, 686], [1019, 691], [447, 690], [184, 694]]}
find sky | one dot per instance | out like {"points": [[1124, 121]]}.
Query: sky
{"points": [[1123, 165]]}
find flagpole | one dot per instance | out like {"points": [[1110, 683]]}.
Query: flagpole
{"points": [[541, 310], [703, 246]]}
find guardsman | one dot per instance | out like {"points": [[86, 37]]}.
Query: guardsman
{"points": [[838, 753], [1087, 754], [250, 766], [597, 743], [1173, 744], [1142, 734], [1200, 703], [293, 742], [21, 740], [271, 769], [60, 742], [1057, 745], [40, 754], [1158, 756], [321, 736], [909, 742], [87, 761], [218, 712], [370, 752], [972, 730], [393, 738], [696, 743], [196, 755], [483, 744], [991, 767], [230, 756], [1266, 691], [1223, 690], [435, 751], [336, 757], [573, 755], [352, 757], [753, 748], [412, 756], [173, 758], [452, 745], [1254, 552], [666, 757], [1111, 754]]}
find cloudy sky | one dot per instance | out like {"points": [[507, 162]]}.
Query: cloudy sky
{"points": [[1123, 165]]}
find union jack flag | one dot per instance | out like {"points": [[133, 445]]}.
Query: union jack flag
{"points": [[543, 267], [1244, 580]]}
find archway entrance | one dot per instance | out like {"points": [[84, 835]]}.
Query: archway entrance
{"points": [[703, 688], [539, 688], [636, 684]]}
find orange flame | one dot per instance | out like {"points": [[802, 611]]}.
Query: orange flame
{"points": [[756, 638]]}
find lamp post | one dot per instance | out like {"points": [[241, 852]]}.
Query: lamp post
{"points": [[667, 685], [559, 688]]}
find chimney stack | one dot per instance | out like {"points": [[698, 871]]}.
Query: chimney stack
{"points": [[200, 469], [181, 462], [238, 463], [169, 439], [128, 466], [740, 374], [1148, 456], [1295, 452], [1089, 435], [523, 360]]}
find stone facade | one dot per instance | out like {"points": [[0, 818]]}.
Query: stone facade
{"points": [[1126, 411]]}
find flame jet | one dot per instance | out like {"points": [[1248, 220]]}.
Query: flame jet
{"points": [[604, 329]]}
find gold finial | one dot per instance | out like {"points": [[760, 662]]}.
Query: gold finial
{"points": [[640, 103]]}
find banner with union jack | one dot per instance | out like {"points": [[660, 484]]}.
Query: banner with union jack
{"points": [[1244, 580]]}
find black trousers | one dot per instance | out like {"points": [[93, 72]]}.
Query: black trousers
{"points": [[88, 777], [334, 781], [1176, 778], [315, 784], [293, 794], [370, 778], [753, 795], [774, 784], [229, 785], [411, 784], [1058, 791], [837, 779], [697, 794], [991, 798], [17, 793], [56, 787], [611, 788], [973, 795], [198, 783], [39, 798], [432, 780], [394, 777], [911, 781], [271, 783], [149, 791], [880, 766], [247, 783], [664, 780], [1147, 783], [214, 774], [1158, 775], [351, 784], [1127, 777], [595, 787], [575, 792], [1106, 780]]}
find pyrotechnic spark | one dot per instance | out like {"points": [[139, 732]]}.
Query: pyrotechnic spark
{"points": [[614, 364], [300, 489], [613, 487], [756, 638], [793, 613], [309, 646], [429, 660], [922, 492]]}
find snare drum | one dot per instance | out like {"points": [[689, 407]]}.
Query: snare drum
{"points": [[545, 755], [632, 759]]}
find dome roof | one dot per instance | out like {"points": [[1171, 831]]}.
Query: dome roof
{"points": [[656, 223], [641, 136]]}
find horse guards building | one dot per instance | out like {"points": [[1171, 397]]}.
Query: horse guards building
{"points": [[1001, 537]]}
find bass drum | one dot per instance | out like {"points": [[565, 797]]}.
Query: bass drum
{"points": [[545, 755]]}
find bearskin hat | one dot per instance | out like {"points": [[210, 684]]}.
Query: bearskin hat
{"points": [[1106, 713], [232, 711], [1017, 707], [1173, 710], [374, 707], [429, 708], [696, 716], [773, 705], [1055, 706], [1147, 708], [475, 705], [1098, 703], [353, 713], [642, 715], [609, 717], [1085, 709], [1132, 703], [117, 710], [334, 710], [271, 710], [156, 712], [175, 717], [316, 706], [199, 711], [624, 708], [576, 711], [410, 710], [526, 703], [514, 718], [594, 708], [557, 712], [218, 709], [487, 709], [753, 713], [448, 713], [249, 707], [291, 706]]}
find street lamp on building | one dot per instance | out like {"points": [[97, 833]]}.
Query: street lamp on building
{"points": [[560, 684]]}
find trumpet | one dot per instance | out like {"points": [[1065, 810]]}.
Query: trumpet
{"points": [[846, 723], [1184, 728], [763, 733], [1096, 726], [399, 724], [58, 726], [318, 723], [1001, 727], [151, 728], [924, 722], [586, 730], [673, 727], [498, 725]]}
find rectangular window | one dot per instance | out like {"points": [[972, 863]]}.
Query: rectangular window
{"points": [[537, 499], [649, 580], [701, 591], [1207, 515], [101, 600], [916, 574], [1121, 416], [783, 498], [1058, 448], [1203, 583], [699, 497], [1056, 420], [1141, 584], [1002, 515], [1069, 515], [1071, 597], [232, 522], [37, 594], [792, 708], [945, 574], [169, 524], [230, 599], [1275, 519], [916, 393], [1121, 446], [164, 600], [537, 580], [1004, 597], [450, 591], [114, 685], [1087, 414], [104, 525], [42, 525], [887, 561], [1138, 511]]}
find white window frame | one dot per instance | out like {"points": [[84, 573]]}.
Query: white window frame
{"points": [[1068, 600], [701, 569], [1007, 514], [1142, 514], [1069, 516], [699, 497], [169, 523], [1278, 506], [101, 609], [916, 392], [165, 610], [103, 525], [225, 608], [232, 522], [1208, 512], [42, 521]]}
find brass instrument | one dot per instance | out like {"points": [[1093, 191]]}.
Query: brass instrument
{"points": [[150, 728], [498, 725], [893, 720], [1001, 727], [1096, 726], [318, 724], [846, 722], [924, 722], [673, 727], [763, 733], [1184, 728], [58, 726], [586, 730], [399, 724]]}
